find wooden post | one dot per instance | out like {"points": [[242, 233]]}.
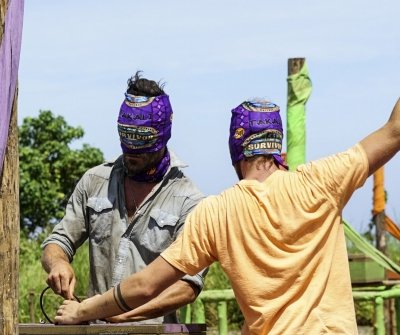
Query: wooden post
{"points": [[294, 65], [379, 204], [9, 231], [379, 209], [9, 218]]}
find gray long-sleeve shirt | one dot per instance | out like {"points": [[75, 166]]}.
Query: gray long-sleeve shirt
{"points": [[96, 211]]}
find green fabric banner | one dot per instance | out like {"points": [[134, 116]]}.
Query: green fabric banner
{"points": [[299, 90], [365, 247]]}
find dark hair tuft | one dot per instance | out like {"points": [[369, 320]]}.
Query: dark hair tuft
{"points": [[144, 87]]}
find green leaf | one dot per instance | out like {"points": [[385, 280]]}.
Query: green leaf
{"points": [[49, 168]]}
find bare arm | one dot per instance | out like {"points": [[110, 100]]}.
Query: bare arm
{"points": [[383, 144], [136, 290], [177, 295], [61, 276]]}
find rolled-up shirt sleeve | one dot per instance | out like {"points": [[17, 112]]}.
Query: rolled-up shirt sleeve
{"points": [[71, 231]]}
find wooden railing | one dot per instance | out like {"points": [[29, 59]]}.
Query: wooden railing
{"points": [[195, 312]]}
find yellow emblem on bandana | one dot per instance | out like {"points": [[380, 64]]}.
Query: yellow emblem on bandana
{"points": [[239, 133]]}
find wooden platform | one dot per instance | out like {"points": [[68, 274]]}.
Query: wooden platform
{"points": [[111, 328]]}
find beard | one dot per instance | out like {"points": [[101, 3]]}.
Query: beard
{"points": [[140, 163]]}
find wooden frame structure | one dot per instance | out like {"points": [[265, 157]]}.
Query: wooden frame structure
{"points": [[10, 38]]}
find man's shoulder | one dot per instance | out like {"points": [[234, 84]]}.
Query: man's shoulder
{"points": [[183, 184], [353, 158], [104, 170]]}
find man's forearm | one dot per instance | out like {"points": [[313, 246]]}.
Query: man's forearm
{"points": [[381, 145], [53, 254], [139, 289], [134, 291], [179, 294]]}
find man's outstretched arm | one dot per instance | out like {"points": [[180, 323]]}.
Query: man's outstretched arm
{"points": [[177, 295], [383, 144], [134, 291]]}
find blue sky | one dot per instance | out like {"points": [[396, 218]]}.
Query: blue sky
{"points": [[77, 56]]}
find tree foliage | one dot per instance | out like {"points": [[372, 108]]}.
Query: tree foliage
{"points": [[49, 168]]}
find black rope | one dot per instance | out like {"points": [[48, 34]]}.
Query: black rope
{"points": [[42, 307]]}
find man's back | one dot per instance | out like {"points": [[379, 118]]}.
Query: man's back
{"points": [[282, 245]]}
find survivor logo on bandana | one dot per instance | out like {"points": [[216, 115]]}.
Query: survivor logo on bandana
{"points": [[260, 106], [137, 137], [137, 101], [268, 142]]}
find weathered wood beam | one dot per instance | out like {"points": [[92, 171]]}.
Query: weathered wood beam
{"points": [[9, 218]]}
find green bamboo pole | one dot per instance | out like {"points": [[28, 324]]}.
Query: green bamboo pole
{"points": [[198, 311], [216, 295], [220, 297], [299, 90], [378, 296], [379, 317], [372, 295], [185, 314], [222, 318]]}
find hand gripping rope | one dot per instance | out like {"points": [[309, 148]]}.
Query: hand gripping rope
{"points": [[42, 307]]}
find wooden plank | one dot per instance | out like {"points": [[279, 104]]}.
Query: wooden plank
{"points": [[119, 328]]}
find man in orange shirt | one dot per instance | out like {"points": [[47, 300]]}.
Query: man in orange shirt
{"points": [[277, 234]]}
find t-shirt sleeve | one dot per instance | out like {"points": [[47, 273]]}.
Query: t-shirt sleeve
{"points": [[339, 175], [194, 249]]}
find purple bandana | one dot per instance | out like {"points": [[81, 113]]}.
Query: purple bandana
{"points": [[256, 129], [155, 174], [144, 123]]}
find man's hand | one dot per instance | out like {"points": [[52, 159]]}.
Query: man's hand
{"points": [[68, 313], [61, 276], [72, 312], [62, 280]]}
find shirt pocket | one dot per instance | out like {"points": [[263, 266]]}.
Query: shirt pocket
{"points": [[100, 218], [161, 230]]}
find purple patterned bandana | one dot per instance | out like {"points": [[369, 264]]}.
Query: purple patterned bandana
{"points": [[144, 123], [256, 129], [155, 174]]}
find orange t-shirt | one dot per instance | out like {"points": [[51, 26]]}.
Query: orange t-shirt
{"points": [[281, 242]]}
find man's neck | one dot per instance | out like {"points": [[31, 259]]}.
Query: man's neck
{"points": [[135, 193], [260, 171]]}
